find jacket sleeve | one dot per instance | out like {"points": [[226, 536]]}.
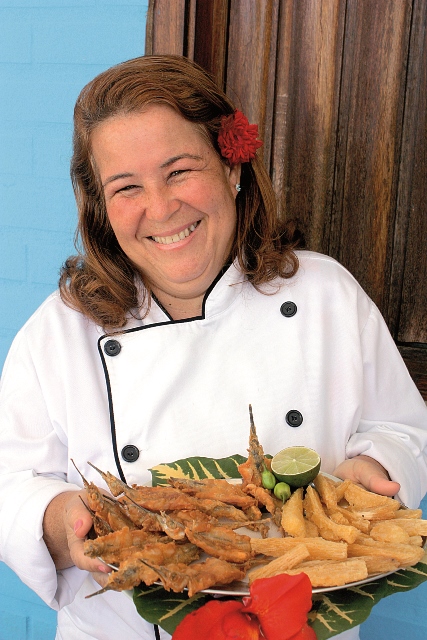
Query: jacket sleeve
{"points": [[33, 463], [393, 423]]}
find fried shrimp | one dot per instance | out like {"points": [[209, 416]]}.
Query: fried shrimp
{"points": [[199, 576], [214, 490], [134, 569], [106, 508], [252, 469], [221, 542]]}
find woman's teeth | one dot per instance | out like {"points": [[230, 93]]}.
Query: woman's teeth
{"points": [[177, 237]]}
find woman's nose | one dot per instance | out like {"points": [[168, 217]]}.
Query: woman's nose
{"points": [[160, 204]]}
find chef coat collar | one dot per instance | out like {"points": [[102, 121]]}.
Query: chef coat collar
{"points": [[220, 295]]}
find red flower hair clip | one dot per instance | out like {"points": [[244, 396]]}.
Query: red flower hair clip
{"points": [[237, 139]]}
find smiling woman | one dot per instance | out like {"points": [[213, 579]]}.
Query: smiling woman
{"points": [[158, 152], [172, 210], [188, 301]]}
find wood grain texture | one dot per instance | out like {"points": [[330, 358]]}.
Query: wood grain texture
{"points": [[415, 358], [251, 63], [369, 140], [306, 112], [165, 29], [211, 38], [409, 274]]}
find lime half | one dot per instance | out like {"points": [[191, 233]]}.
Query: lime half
{"points": [[297, 466]]}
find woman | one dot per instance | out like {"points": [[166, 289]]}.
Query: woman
{"points": [[187, 303]]}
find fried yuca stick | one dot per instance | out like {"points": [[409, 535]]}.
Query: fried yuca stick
{"points": [[326, 489], [293, 521], [318, 548], [290, 559], [311, 531], [383, 512], [327, 527], [352, 518], [332, 574], [380, 564], [360, 498], [337, 517], [413, 527], [387, 531], [406, 554], [408, 513], [341, 489]]}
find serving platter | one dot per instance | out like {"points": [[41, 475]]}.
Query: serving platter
{"points": [[241, 588]]}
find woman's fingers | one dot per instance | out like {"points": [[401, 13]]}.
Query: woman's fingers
{"points": [[100, 577], [369, 473], [78, 522], [384, 486]]}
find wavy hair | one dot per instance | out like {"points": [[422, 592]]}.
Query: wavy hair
{"points": [[101, 281]]}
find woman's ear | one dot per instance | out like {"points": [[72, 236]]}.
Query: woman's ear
{"points": [[234, 178]]}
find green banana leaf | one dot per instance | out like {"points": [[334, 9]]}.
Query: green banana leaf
{"points": [[332, 612], [197, 468]]}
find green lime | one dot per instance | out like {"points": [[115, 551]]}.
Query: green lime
{"points": [[282, 491], [297, 466]]}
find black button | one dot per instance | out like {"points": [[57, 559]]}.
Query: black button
{"points": [[294, 418], [288, 309], [112, 347], [130, 453]]}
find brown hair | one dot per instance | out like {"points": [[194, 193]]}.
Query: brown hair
{"points": [[101, 281]]}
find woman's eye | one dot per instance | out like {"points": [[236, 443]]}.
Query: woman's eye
{"points": [[128, 187], [177, 172]]}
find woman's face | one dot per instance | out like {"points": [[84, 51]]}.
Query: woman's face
{"points": [[170, 200]]}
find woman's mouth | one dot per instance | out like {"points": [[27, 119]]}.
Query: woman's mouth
{"points": [[177, 236]]}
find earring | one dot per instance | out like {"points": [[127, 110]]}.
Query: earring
{"points": [[238, 187]]}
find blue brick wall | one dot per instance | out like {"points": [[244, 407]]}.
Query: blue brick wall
{"points": [[48, 50]]}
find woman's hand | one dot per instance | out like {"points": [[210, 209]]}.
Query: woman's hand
{"points": [[369, 473], [66, 523]]}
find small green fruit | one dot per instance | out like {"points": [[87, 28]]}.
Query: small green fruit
{"points": [[282, 491], [268, 479]]}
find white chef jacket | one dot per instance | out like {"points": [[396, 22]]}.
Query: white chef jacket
{"points": [[312, 355]]}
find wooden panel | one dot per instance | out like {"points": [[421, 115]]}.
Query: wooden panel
{"points": [[211, 37], [165, 29], [251, 63], [369, 140], [416, 361], [410, 253], [306, 110]]}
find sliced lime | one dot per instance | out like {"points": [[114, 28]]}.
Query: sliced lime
{"points": [[297, 466]]}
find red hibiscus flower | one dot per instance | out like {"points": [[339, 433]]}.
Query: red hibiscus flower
{"points": [[276, 610], [281, 604], [218, 620], [237, 139]]}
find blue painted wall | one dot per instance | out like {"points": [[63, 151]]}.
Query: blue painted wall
{"points": [[48, 50]]}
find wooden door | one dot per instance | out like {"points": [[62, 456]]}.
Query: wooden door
{"points": [[339, 91]]}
